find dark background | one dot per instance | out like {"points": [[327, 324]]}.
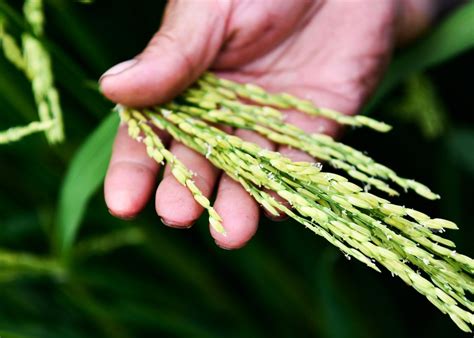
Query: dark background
{"points": [[142, 279]]}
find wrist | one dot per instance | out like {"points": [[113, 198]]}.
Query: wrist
{"points": [[416, 16]]}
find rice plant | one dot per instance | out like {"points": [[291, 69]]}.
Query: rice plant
{"points": [[68, 269], [34, 61], [362, 225]]}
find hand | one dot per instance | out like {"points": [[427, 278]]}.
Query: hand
{"points": [[331, 52]]}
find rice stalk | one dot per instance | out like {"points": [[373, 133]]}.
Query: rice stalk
{"points": [[33, 59], [362, 225]]}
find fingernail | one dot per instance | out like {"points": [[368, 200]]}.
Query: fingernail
{"points": [[125, 218], [273, 218], [223, 246], [119, 68], [230, 247], [280, 218], [175, 225]]}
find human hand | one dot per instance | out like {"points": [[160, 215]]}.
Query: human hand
{"points": [[331, 52]]}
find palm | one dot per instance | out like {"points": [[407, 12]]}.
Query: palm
{"points": [[334, 57], [330, 52]]}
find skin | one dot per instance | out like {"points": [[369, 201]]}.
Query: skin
{"points": [[331, 52]]}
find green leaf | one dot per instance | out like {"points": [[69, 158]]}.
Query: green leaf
{"points": [[77, 32], [422, 106], [460, 145], [84, 176], [5, 334], [451, 37]]}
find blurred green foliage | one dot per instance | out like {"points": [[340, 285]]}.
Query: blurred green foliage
{"points": [[141, 279], [420, 105]]}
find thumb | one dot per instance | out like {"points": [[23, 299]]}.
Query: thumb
{"points": [[185, 46]]}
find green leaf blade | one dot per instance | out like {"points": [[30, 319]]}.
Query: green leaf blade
{"points": [[84, 176]]}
